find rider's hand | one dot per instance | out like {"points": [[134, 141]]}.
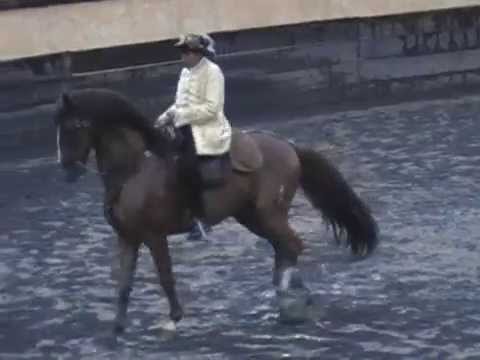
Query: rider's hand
{"points": [[164, 120]]}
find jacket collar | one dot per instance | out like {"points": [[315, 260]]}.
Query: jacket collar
{"points": [[200, 64]]}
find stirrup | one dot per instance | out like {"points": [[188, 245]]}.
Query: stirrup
{"points": [[199, 231], [201, 228]]}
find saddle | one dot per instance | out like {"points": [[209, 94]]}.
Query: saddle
{"points": [[244, 157]]}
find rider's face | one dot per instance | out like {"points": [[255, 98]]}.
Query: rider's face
{"points": [[190, 59]]}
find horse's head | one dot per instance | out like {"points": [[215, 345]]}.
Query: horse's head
{"points": [[74, 137]]}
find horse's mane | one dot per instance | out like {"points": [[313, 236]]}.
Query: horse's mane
{"points": [[109, 109]]}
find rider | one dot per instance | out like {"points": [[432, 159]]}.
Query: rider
{"points": [[198, 110]]}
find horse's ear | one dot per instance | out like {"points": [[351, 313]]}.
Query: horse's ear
{"points": [[67, 102]]}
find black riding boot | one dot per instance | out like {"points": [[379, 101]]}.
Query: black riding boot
{"points": [[193, 179], [199, 230]]}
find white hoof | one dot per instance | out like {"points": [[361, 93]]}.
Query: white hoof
{"points": [[168, 326], [294, 298]]}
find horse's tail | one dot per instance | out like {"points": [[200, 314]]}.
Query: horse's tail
{"points": [[340, 206]]}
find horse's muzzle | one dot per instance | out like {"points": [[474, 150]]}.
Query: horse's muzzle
{"points": [[73, 171]]}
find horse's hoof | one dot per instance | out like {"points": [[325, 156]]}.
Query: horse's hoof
{"points": [[295, 301], [168, 326], [295, 306]]}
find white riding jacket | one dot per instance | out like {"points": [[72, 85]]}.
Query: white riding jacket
{"points": [[199, 102]]}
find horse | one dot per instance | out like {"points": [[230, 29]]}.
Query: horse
{"points": [[146, 199]]}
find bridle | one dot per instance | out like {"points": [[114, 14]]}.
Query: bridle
{"points": [[77, 124]]}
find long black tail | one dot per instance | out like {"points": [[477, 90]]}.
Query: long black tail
{"points": [[340, 206]]}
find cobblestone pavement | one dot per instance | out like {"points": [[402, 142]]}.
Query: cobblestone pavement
{"points": [[416, 298]]}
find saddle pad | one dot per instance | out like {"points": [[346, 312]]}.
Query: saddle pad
{"points": [[244, 152]]}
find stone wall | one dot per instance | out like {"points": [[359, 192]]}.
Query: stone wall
{"points": [[271, 73], [99, 24]]}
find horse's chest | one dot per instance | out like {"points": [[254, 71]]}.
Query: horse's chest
{"points": [[121, 208]]}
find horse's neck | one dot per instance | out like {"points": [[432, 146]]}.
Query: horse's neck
{"points": [[120, 153]]}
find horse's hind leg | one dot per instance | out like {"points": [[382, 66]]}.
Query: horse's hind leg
{"points": [[287, 244], [274, 226], [161, 256], [294, 296], [128, 253]]}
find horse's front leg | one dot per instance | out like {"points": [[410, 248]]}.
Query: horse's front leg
{"points": [[161, 257], [128, 254]]}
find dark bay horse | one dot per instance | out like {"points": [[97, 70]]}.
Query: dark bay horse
{"points": [[145, 197]]}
